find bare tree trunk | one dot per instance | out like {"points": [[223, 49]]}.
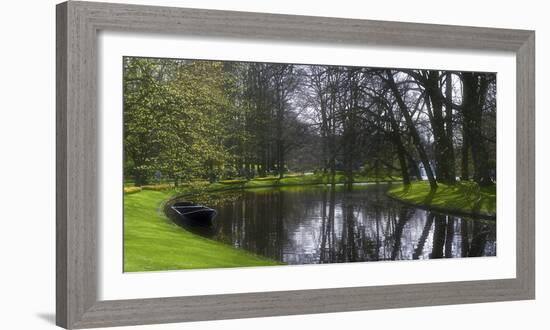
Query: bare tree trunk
{"points": [[413, 166], [435, 106], [465, 172], [396, 139], [475, 89], [350, 119], [412, 130], [279, 130], [442, 126], [449, 128]]}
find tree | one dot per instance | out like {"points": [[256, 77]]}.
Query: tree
{"points": [[412, 129], [205, 120], [173, 118], [475, 86]]}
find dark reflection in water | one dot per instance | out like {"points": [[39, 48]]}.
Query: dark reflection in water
{"points": [[318, 224]]}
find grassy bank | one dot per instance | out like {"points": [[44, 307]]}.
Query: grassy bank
{"points": [[462, 198], [153, 242], [268, 181], [294, 180]]}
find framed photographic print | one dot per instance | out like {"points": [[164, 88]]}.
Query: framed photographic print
{"points": [[216, 165]]}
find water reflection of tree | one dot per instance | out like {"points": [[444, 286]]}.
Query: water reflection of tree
{"points": [[425, 232], [473, 236], [439, 236], [480, 233], [328, 236], [348, 245], [449, 237], [358, 239], [344, 227], [252, 217], [404, 216]]}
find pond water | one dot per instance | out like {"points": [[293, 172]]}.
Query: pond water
{"points": [[320, 224]]}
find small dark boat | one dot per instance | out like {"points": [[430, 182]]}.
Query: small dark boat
{"points": [[194, 214]]}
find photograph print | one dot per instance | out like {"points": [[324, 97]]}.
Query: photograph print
{"points": [[235, 164]]}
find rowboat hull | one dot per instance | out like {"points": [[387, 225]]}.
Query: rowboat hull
{"points": [[196, 215]]}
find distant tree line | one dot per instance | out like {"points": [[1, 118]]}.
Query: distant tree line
{"points": [[187, 120]]}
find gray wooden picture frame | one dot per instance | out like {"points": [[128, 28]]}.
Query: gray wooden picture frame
{"points": [[77, 151]]}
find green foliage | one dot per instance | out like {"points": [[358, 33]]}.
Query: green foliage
{"points": [[463, 197], [187, 120], [153, 242], [173, 110]]}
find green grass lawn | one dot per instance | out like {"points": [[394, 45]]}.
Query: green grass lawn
{"points": [[464, 197], [153, 242]]}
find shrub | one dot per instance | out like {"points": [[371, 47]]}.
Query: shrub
{"points": [[266, 178], [198, 186], [131, 190], [234, 181], [158, 187]]}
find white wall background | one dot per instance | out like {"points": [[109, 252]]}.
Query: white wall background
{"points": [[27, 163]]}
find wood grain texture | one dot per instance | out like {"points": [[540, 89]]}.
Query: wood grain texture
{"points": [[525, 165], [77, 157], [61, 166], [295, 28], [77, 189]]}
